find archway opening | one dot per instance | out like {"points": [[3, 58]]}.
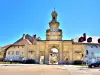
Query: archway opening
{"points": [[54, 50], [53, 56]]}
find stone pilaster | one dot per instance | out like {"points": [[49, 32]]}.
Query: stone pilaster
{"points": [[25, 52], [46, 57], [37, 53], [60, 53]]}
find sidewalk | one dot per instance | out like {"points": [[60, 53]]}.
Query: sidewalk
{"points": [[77, 70], [18, 64]]}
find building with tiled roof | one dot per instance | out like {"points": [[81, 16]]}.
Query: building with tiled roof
{"points": [[5, 47], [94, 39]]}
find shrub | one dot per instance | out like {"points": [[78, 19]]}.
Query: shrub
{"points": [[29, 61], [61, 63], [37, 62], [77, 62]]}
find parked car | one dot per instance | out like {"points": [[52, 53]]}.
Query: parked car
{"points": [[93, 65]]}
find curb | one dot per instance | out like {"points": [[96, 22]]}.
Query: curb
{"points": [[18, 64]]}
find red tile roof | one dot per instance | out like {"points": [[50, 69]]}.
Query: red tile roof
{"points": [[5, 47], [23, 42]]}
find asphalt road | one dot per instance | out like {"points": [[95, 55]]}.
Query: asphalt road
{"points": [[34, 70], [95, 71]]}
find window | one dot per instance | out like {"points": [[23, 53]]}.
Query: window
{"points": [[96, 46], [87, 52], [30, 52], [17, 52], [8, 52], [77, 51], [12, 52]]}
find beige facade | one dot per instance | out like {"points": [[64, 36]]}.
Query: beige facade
{"points": [[40, 50], [1, 54], [66, 50]]}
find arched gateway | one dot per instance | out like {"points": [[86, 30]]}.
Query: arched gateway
{"points": [[53, 56]]}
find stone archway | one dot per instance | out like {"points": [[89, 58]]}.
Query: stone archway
{"points": [[53, 56]]}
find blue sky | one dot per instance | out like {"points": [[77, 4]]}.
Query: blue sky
{"points": [[32, 17]]}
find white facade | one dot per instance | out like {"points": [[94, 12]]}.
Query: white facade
{"points": [[93, 53], [93, 50]]}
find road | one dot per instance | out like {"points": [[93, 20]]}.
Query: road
{"points": [[79, 70], [95, 71], [47, 70], [34, 70]]}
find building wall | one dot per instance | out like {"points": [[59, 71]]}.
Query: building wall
{"points": [[92, 49], [54, 35], [16, 51], [1, 54], [78, 50], [38, 50], [66, 51]]}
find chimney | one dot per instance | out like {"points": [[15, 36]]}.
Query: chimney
{"points": [[23, 36], [34, 36], [84, 36]]}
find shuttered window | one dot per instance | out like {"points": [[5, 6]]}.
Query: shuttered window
{"points": [[17, 52]]}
